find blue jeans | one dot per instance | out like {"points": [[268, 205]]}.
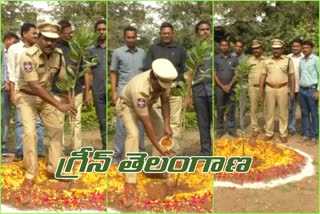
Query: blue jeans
{"points": [[19, 133], [309, 106], [292, 114], [5, 117], [120, 138]]}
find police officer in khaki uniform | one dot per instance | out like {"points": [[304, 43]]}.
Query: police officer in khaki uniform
{"points": [[136, 103], [278, 70], [257, 60], [38, 64]]}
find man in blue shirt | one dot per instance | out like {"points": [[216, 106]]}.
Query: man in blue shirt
{"points": [[239, 53], [8, 40], [224, 77], [309, 94], [98, 75], [127, 61]]}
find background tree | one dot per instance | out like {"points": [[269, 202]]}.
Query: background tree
{"points": [[184, 16], [268, 20], [148, 18], [14, 14], [81, 14], [122, 14]]}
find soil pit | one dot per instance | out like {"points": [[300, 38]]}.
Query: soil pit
{"points": [[162, 190]]}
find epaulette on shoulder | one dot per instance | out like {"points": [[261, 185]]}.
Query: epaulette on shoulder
{"points": [[250, 56], [32, 50]]}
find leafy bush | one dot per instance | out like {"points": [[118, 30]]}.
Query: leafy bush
{"points": [[89, 118]]}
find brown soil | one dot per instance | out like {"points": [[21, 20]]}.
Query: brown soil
{"points": [[190, 144], [156, 200], [301, 196], [161, 191], [157, 192]]}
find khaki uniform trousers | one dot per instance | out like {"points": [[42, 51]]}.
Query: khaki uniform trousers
{"points": [[175, 120], [130, 120], [276, 97], [255, 102], [75, 123], [30, 107]]}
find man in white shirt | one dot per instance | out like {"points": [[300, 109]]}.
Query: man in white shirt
{"points": [[29, 38], [295, 56]]}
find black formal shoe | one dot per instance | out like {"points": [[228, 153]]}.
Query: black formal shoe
{"points": [[233, 133], [218, 135], [17, 158], [291, 133], [41, 156]]}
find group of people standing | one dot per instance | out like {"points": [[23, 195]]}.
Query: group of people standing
{"points": [[275, 82], [142, 86]]}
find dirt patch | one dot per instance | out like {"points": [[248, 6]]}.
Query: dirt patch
{"points": [[301, 196], [159, 195], [190, 144], [163, 190]]}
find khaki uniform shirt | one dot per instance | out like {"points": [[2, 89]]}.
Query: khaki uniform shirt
{"points": [[138, 94], [256, 69], [36, 66], [277, 70]]}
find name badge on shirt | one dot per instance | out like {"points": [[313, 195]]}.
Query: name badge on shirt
{"points": [[27, 66], [141, 103]]}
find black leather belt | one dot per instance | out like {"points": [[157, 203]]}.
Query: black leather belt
{"points": [[309, 87]]}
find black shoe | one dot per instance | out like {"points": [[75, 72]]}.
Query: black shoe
{"points": [[291, 133], [41, 156], [116, 160], [218, 135], [233, 133], [18, 158]]}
